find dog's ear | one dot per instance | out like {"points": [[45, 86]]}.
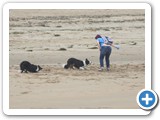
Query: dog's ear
{"points": [[39, 67], [87, 60]]}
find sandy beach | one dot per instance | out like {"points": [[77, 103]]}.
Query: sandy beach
{"points": [[49, 37]]}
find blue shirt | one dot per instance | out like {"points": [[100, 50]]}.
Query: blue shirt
{"points": [[101, 41]]}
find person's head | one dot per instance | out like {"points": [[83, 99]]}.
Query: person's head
{"points": [[97, 36]]}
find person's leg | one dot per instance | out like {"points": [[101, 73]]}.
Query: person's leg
{"points": [[101, 58], [107, 57]]}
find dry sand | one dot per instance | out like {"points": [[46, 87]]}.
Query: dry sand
{"points": [[38, 36]]}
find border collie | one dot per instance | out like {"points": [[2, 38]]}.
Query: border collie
{"points": [[26, 66], [75, 63]]}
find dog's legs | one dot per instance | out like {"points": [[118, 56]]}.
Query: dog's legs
{"points": [[72, 67], [81, 68]]}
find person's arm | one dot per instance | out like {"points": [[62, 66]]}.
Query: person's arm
{"points": [[115, 46], [99, 47]]}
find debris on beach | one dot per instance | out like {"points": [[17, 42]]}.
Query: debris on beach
{"points": [[133, 43], [62, 49], [94, 47], [56, 35]]}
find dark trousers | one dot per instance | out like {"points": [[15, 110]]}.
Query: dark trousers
{"points": [[105, 52]]}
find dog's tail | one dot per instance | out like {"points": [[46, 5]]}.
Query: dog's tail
{"points": [[65, 66]]}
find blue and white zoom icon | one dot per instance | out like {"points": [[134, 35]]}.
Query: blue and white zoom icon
{"points": [[147, 99]]}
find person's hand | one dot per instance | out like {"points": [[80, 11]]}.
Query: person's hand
{"points": [[117, 46]]}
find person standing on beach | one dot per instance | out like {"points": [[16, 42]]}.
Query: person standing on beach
{"points": [[104, 45]]}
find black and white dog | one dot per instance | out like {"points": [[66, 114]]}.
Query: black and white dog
{"points": [[26, 66], [75, 63]]}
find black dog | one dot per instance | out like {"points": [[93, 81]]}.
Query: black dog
{"points": [[79, 64], [26, 66]]}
